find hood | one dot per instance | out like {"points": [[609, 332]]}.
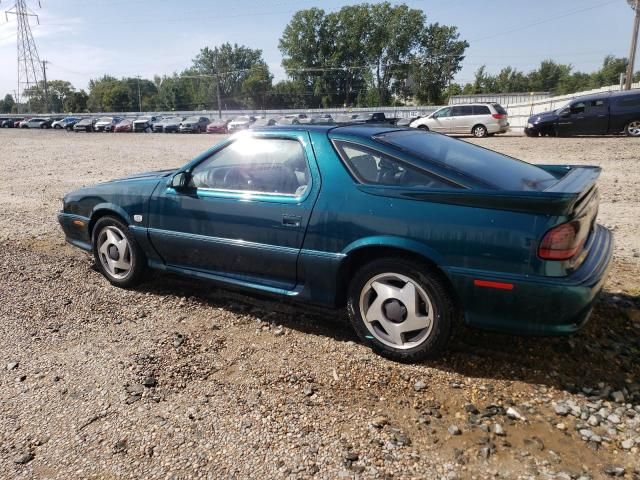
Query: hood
{"points": [[145, 175], [547, 116], [141, 121]]}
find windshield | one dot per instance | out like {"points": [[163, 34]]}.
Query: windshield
{"points": [[143, 119], [490, 168], [562, 106], [172, 120], [193, 119], [241, 119], [104, 119]]}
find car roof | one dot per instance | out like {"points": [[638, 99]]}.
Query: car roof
{"points": [[614, 94], [356, 129]]}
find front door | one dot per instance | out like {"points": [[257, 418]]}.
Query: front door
{"points": [[586, 117], [441, 121], [245, 213]]}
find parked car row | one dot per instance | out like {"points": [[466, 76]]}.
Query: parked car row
{"points": [[598, 114]]}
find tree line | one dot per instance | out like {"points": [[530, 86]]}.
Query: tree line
{"points": [[364, 55]]}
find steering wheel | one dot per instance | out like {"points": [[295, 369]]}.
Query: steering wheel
{"points": [[236, 178]]}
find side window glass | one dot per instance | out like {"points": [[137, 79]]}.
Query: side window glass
{"points": [[577, 108], [481, 110], [456, 111], [466, 110], [445, 112], [260, 165], [372, 167]]}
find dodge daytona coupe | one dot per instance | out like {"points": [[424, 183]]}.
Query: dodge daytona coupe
{"points": [[413, 232]]}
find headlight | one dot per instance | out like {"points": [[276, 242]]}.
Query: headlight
{"points": [[529, 125]]}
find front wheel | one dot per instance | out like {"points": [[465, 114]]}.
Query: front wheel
{"points": [[401, 310], [633, 128], [479, 131], [117, 254], [423, 127]]}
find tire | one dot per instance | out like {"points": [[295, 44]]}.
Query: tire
{"points": [[531, 134], [632, 129], [123, 264], [479, 131], [423, 127], [434, 319]]}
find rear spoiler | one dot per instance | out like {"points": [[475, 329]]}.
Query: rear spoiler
{"points": [[579, 179], [559, 199]]}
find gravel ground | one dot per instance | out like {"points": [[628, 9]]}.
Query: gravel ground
{"points": [[179, 379]]}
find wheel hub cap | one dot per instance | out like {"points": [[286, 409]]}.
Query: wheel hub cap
{"points": [[113, 252], [396, 310]]}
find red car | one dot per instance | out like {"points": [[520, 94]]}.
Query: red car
{"points": [[125, 125], [218, 126]]}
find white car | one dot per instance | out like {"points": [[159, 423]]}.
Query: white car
{"points": [[477, 119], [240, 123], [36, 123]]}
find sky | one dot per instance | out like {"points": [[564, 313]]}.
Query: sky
{"points": [[85, 39]]}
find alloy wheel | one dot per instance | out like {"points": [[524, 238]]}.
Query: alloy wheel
{"points": [[633, 128], [396, 310], [114, 252]]}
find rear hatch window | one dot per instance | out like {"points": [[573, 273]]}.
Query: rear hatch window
{"points": [[499, 109], [486, 167]]}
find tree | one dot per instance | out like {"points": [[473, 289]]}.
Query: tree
{"points": [[440, 57], [230, 65], [377, 53], [8, 104], [256, 87], [76, 102]]}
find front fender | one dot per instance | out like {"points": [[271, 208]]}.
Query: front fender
{"points": [[100, 208]]}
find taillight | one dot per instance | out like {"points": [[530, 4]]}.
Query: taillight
{"points": [[499, 116], [561, 242]]}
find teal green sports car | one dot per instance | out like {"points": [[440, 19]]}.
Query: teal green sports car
{"points": [[413, 232]]}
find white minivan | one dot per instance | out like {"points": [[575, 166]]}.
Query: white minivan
{"points": [[477, 119]]}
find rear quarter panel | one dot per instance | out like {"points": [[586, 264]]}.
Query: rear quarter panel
{"points": [[345, 218]]}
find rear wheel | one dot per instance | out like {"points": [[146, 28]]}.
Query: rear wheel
{"points": [[401, 310], [423, 127], [633, 128], [479, 131], [117, 253]]}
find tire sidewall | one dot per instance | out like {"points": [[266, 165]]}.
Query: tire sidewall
{"points": [[441, 302], [138, 259]]}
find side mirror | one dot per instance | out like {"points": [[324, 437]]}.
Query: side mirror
{"points": [[181, 181], [565, 113]]}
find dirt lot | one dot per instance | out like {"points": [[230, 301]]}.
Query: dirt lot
{"points": [[180, 379]]}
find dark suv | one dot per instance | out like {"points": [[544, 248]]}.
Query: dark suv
{"points": [[599, 114]]}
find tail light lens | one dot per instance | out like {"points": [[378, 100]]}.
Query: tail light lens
{"points": [[499, 116], [561, 242]]}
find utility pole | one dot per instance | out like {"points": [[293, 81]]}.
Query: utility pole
{"points": [[29, 65], [139, 98], [217, 75], [15, 97], [46, 86], [634, 44]]}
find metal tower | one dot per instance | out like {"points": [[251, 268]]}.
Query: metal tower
{"points": [[30, 72]]}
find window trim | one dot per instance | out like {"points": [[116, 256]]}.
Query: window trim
{"points": [[255, 194], [337, 145]]}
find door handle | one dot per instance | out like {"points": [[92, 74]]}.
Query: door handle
{"points": [[291, 220]]}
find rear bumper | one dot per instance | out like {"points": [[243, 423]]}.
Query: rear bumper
{"points": [[536, 305]]}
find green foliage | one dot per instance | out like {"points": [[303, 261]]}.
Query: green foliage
{"points": [[7, 104], [377, 54], [550, 76]]}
